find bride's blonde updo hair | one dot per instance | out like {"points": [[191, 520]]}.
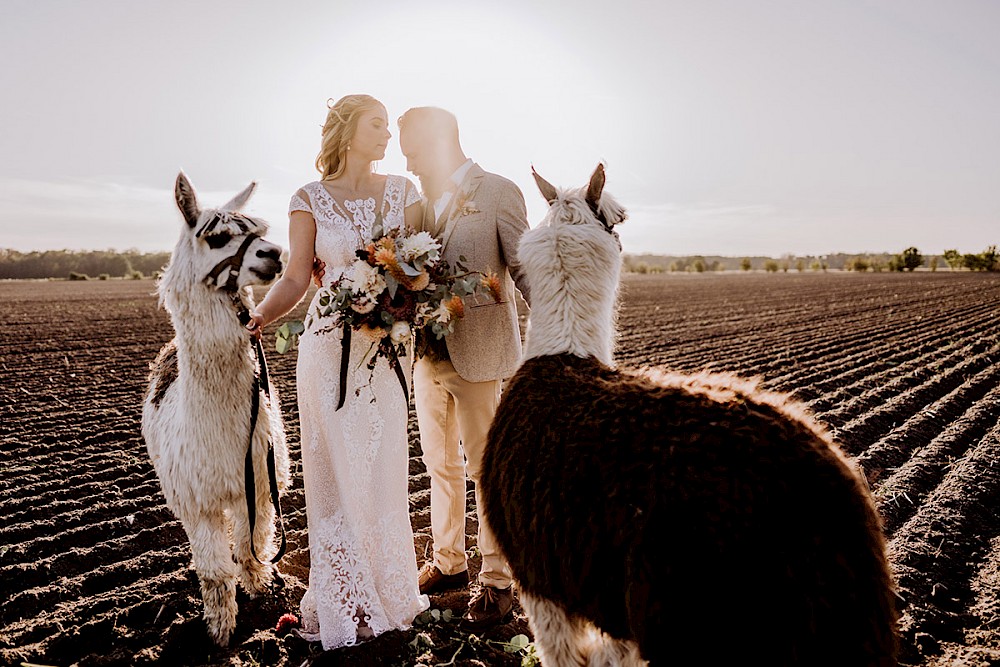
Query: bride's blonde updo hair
{"points": [[338, 130]]}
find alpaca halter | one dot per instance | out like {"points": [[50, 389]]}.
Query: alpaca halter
{"points": [[233, 263], [607, 226]]}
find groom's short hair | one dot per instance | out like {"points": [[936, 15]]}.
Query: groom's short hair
{"points": [[430, 122]]}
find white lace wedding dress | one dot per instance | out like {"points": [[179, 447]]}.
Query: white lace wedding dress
{"points": [[363, 569]]}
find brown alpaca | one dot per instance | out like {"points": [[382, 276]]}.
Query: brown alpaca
{"points": [[665, 518]]}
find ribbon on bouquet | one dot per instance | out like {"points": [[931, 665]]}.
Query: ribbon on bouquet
{"points": [[345, 362]]}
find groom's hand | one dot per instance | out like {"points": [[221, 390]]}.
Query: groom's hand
{"points": [[319, 268]]}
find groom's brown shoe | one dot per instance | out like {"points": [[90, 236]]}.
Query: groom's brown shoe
{"points": [[489, 607], [433, 580]]}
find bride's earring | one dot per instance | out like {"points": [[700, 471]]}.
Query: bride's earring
{"points": [[348, 146]]}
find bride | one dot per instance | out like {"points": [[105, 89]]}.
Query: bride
{"points": [[363, 570]]}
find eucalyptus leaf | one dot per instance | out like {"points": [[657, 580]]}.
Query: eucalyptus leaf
{"points": [[392, 285], [409, 270], [295, 327], [282, 345]]}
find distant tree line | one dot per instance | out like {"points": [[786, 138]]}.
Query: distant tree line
{"points": [[984, 261], [80, 265], [909, 259]]}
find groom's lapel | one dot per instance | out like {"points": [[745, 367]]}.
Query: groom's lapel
{"points": [[460, 202]]}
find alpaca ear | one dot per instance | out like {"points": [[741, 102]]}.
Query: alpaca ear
{"points": [[187, 200], [237, 202], [596, 187], [547, 189]]}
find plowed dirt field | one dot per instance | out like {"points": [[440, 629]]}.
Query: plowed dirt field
{"points": [[94, 570]]}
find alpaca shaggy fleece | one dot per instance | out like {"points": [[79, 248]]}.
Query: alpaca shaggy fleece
{"points": [[696, 516], [196, 412]]}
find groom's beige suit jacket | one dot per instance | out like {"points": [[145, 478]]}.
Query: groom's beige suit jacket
{"points": [[483, 223]]}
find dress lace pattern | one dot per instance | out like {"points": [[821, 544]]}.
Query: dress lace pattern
{"points": [[363, 568]]}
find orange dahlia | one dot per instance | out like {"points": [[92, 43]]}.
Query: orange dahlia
{"points": [[420, 282]]}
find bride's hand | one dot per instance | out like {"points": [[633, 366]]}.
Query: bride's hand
{"points": [[319, 268], [256, 324]]}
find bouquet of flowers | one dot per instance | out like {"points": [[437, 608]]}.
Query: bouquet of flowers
{"points": [[398, 284]]}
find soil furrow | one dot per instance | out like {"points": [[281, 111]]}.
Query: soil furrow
{"points": [[904, 396], [903, 493], [83, 559], [898, 446], [63, 594], [947, 540]]}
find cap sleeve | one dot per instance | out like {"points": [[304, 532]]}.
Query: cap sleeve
{"points": [[300, 202]]}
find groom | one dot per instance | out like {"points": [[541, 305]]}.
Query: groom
{"points": [[456, 380]]}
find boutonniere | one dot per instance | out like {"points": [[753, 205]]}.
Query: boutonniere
{"points": [[465, 204], [467, 208]]}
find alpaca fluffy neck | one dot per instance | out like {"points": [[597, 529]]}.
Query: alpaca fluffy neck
{"points": [[212, 346], [573, 272]]}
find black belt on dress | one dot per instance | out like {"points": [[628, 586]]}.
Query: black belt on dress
{"points": [[345, 362]]}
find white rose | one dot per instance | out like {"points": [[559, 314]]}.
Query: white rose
{"points": [[418, 244], [366, 279], [376, 284], [400, 332], [355, 275]]}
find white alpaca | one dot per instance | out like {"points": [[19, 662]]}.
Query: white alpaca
{"points": [[663, 518], [197, 410], [577, 311]]}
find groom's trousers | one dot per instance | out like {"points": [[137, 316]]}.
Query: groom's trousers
{"points": [[454, 416]]}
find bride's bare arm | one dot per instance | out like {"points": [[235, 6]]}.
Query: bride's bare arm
{"points": [[294, 282], [413, 216]]}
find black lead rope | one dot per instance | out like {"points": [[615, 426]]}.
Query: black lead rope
{"points": [[345, 362], [260, 382]]}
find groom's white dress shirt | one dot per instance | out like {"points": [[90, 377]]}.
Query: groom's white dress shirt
{"points": [[442, 202]]}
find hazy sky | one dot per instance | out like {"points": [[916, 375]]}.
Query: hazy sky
{"points": [[729, 127]]}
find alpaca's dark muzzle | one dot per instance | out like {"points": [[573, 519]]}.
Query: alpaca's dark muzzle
{"points": [[270, 253], [268, 272]]}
